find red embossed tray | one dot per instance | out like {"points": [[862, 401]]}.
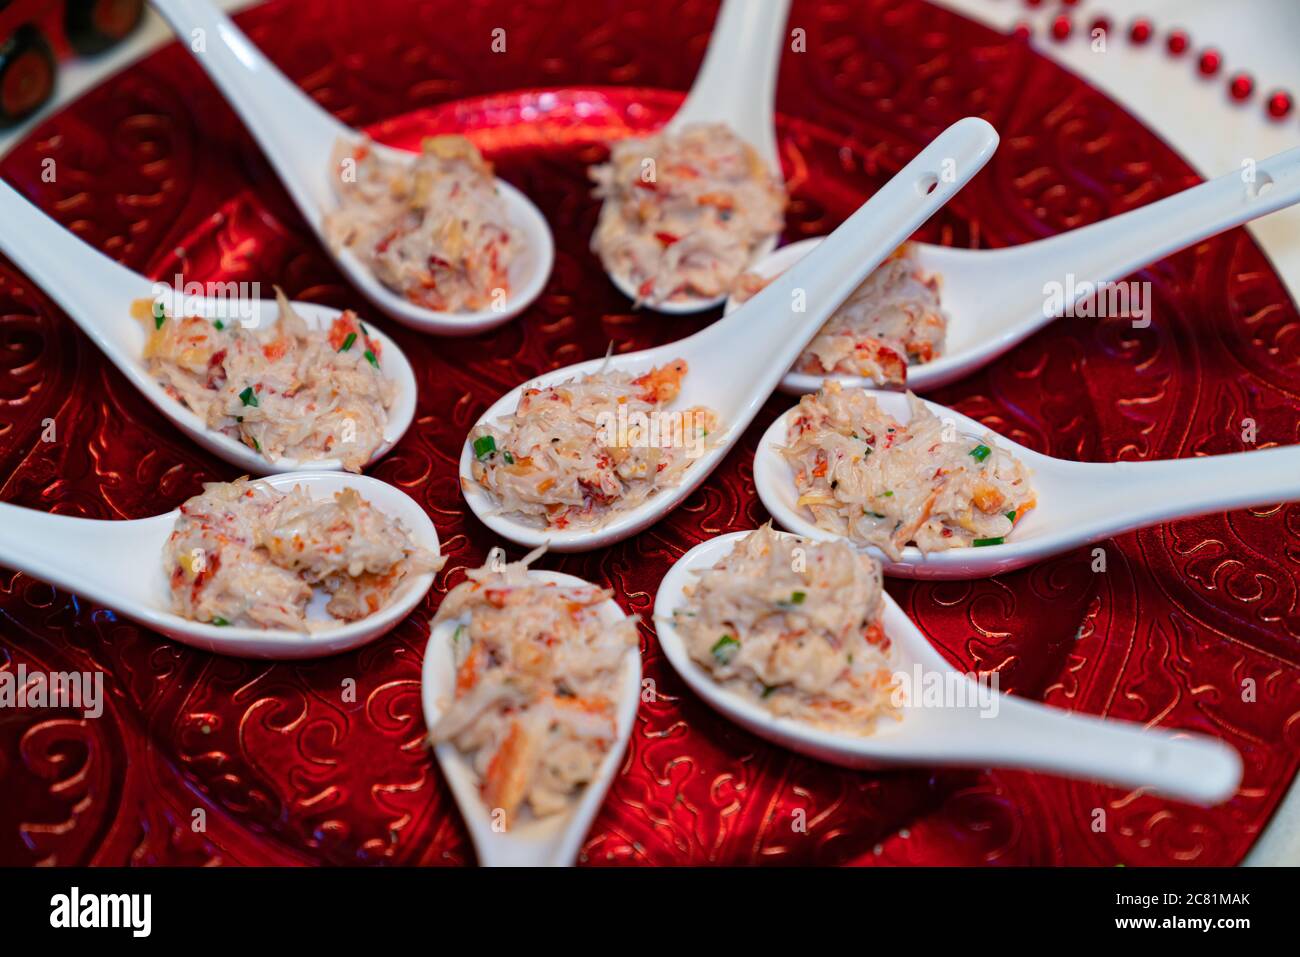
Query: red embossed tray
{"points": [[154, 169]]}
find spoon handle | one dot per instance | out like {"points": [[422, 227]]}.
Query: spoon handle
{"points": [[86, 284], [294, 131], [1116, 247], [82, 555], [1035, 737], [764, 336], [1116, 497], [736, 83]]}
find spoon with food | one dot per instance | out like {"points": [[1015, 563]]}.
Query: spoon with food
{"points": [[267, 385], [926, 317], [935, 494], [589, 454], [299, 565], [433, 240], [530, 689], [686, 210], [797, 641]]}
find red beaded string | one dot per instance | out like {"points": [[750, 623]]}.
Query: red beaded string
{"points": [[1241, 85]]}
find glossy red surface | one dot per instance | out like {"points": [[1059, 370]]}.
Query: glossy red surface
{"points": [[286, 768]]}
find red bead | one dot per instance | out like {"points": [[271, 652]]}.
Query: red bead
{"points": [[1022, 31], [1178, 42], [1210, 62], [1033, 3], [1102, 24], [1279, 104], [1061, 27], [1140, 32], [1241, 86], [1069, 3]]}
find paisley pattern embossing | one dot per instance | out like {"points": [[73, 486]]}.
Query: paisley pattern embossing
{"points": [[324, 761]]}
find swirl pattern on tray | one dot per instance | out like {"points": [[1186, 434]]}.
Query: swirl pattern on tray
{"points": [[324, 761]]}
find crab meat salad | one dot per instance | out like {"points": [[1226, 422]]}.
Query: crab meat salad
{"points": [[794, 626], [245, 554], [892, 320], [434, 230], [684, 213], [877, 481], [576, 453], [284, 389], [537, 677]]}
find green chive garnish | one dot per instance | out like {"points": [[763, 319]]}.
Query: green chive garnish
{"points": [[218, 324], [256, 444], [797, 598], [347, 343], [510, 459], [889, 494], [980, 453], [220, 622], [980, 542], [724, 649], [767, 690], [248, 397], [484, 446], [370, 357], [1012, 516], [159, 316]]}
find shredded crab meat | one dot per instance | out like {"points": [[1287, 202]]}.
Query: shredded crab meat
{"points": [[244, 554], [283, 389], [796, 627], [684, 213], [538, 675], [892, 320], [880, 482], [435, 230], [576, 453]]}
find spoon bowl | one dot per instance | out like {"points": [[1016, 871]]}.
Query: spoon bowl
{"points": [[736, 362], [1034, 283], [551, 841], [1078, 503], [978, 728], [299, 138], [119, 565], [735, 86]]}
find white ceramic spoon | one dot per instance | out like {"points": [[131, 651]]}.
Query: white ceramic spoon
{"points": [[1003, 731], [120, 565], [96, 293], [995, 298], [552, 841], [736, 85], [736, 362], [1078, 502], [298, 137]]}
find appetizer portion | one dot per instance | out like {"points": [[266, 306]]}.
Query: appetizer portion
{"points": [[879, 482], [537, 679], [285, 390], [684, 213], [795, 626], [244, 554], [894, 319], [435, 231], [576, 453]]}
